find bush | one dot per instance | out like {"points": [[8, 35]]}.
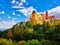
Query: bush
{"points": [[32, 42], [21, 42], [47, 42], [6, 42]]}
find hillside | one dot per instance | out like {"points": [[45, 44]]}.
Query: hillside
{"points": [[22, 32]]}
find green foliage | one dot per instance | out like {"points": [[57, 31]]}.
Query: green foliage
{"points": [[21, 42], [47, 42], [29, 30], [41, 33], [53, 33], [6, 42], [32, 42], [29, 24]]}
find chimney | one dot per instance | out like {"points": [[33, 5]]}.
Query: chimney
{"points": [[46, 15]]}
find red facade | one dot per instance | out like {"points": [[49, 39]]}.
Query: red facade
{"points": [[46, 15]]}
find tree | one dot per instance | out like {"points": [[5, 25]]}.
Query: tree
{"points": [[29, 30], [17, 30], [1, 33], [32, 42], [29, 24], [9, 34], [41, 33]]}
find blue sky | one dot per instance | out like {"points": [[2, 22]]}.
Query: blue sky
{"points": [[14, 11]]}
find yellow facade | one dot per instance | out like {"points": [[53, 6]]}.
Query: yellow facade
{"points": [[35, 19], [40, 22]]}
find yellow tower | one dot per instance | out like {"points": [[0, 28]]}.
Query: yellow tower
{"points": [[34, 17]]}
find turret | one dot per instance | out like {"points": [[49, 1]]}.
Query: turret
{"points": [[34, 14], [34, 17], [46, 15]]}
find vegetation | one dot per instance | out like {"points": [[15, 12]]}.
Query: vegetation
{"points": [[6, 42], [29, 34]]}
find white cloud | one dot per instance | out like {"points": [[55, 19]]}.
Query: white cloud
{"points": [[13, 1], [9, 16], [55, 11], [18, 7], [19, 15], [27, 11], [6, 25], [19, 4], [14, 19], [2, 12], [13, 13], [23, 1]]}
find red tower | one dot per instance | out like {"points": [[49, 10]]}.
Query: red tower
{"points": [[46, 15]]}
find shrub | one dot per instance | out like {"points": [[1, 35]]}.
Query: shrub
{"points": [[6, 42], [47, 42], [21, 42], [32, 42]]}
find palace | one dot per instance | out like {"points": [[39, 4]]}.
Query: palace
{"points": [[36, 18]]}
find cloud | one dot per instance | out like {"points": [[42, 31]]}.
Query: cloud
{"points": [[19, 4], [2, 12], [6, 24], [19, 15], [13, 13], [18, 7], [55, 11], [27, 11], [13, 1], [23, 1], [8, 16], [14, 19]]}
